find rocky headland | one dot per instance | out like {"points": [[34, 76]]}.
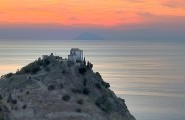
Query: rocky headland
{"points": [[58, 89]]}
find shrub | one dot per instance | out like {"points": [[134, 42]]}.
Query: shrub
{"points": [[9, 75], [66, 97], [75, 90], [104, 104], [98, 85], [14, 101], [78, 61], [2, 76], [46, 62], [80, 101], [9, 98], [61, 86], [85, 91], [78, 110], [82, 70], [29, 77], [1, 97], [107, 85], [39, 62], [51, 87], [15, 108], [27, 92], [24, 106], [98, 74], [1, 118], [47, 69], [0, 110], [85, 82], [32, 68], [70, 63], [40, 101]]}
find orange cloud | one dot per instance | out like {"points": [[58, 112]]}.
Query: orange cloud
{"points": [[174, 4], [85, 12]]}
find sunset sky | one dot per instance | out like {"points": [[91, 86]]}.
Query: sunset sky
{"points": [[138, 46], [92, 13]]}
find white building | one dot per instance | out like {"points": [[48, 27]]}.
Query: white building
{"points": [[75, 54]]}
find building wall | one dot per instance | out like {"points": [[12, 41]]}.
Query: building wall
{"points": [[72, 57], [75, 54], [78, 55]]}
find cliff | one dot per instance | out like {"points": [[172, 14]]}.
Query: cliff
{"points": [[55, 89]]}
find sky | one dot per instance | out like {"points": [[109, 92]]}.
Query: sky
{"points": [[111, 19]]}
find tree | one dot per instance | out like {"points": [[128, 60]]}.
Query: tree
{"points": [[84, 61], [89, 65]]}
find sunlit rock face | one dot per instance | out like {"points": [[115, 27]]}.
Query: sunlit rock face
{"points": [[55, 89]]}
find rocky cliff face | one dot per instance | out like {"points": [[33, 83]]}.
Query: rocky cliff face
{"points": [[56, 89]]}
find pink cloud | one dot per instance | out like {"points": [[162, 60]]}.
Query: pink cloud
{"points": [[174, 3]]}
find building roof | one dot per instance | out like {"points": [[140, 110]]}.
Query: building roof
{"points": [[75, 49]]}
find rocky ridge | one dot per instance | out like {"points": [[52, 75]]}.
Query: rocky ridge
{"points": [[55, 89]]}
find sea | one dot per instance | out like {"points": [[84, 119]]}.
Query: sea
{"points": [[149, 75]]}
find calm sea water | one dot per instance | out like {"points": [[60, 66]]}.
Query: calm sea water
{"points": [[150, 76]]}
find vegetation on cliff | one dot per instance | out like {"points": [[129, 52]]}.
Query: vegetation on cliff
{"points": [[59, 89]]}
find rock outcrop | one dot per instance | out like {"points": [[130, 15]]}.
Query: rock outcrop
{"points": [[56, 89]]}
